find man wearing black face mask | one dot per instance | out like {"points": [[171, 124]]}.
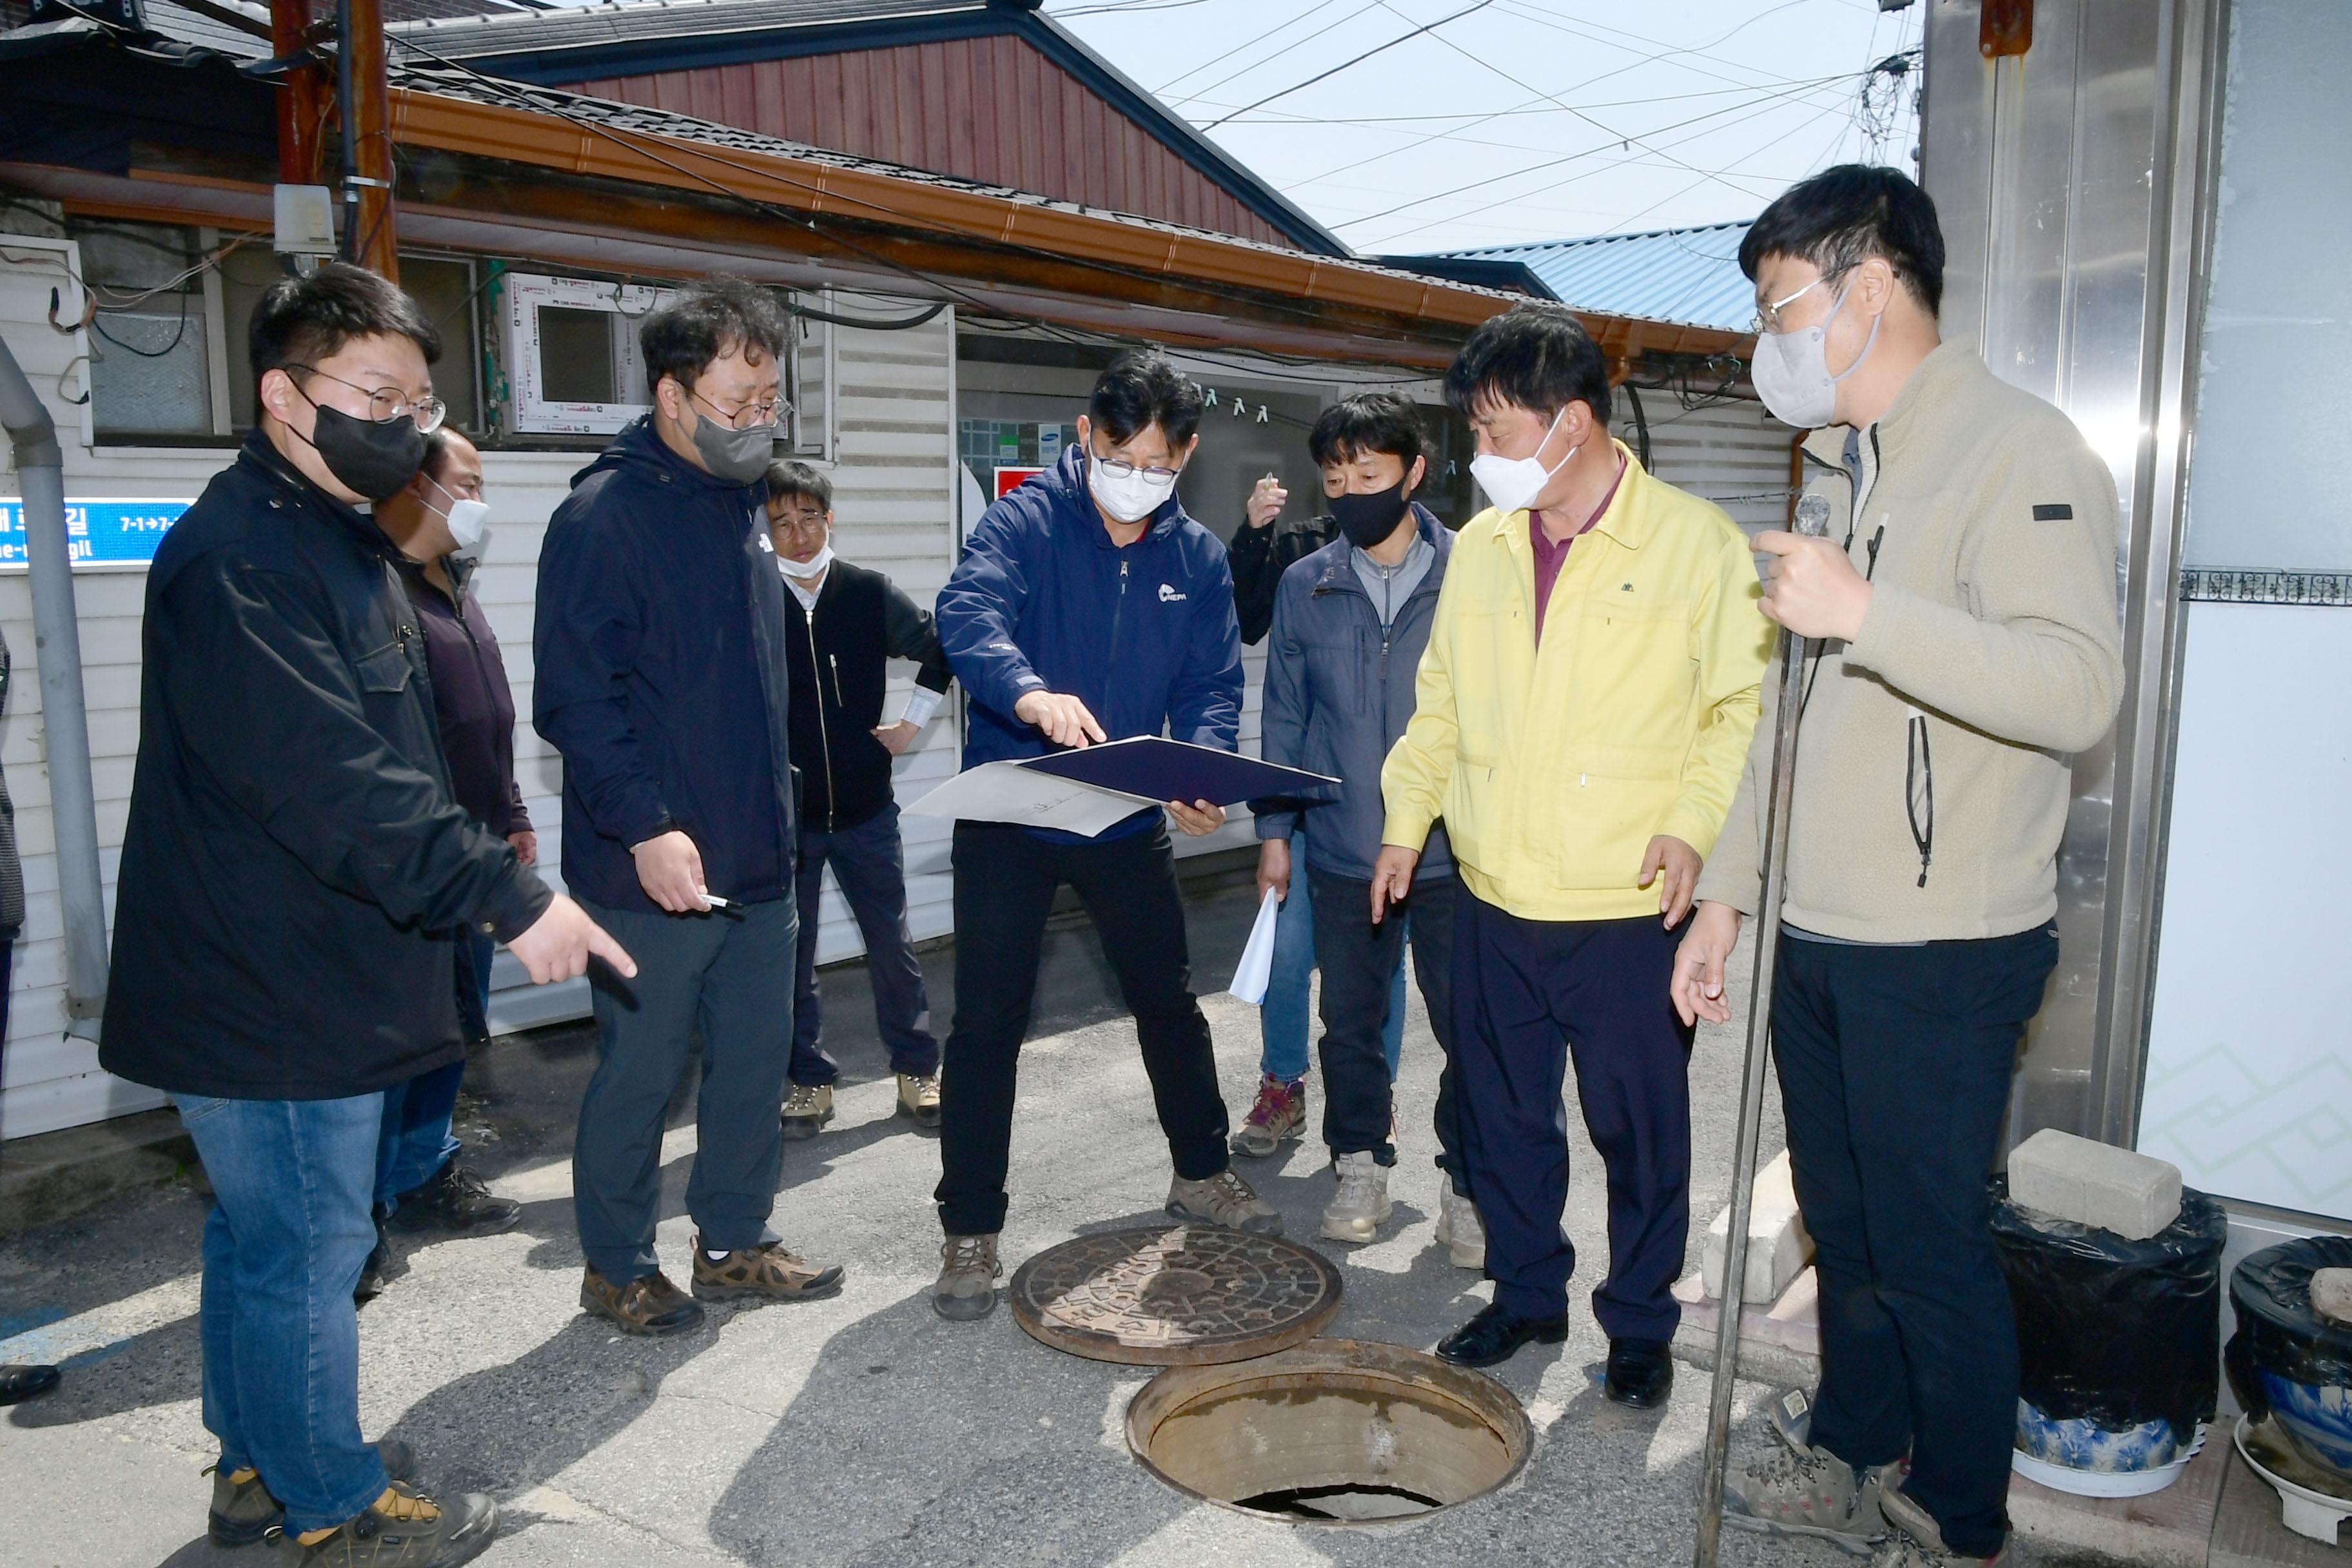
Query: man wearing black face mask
{"points": [[295, 872], [1350, 623]]}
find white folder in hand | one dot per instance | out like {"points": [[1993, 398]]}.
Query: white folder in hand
{"points": [[1257, 953]]}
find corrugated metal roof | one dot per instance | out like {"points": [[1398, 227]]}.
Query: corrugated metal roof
{"points": [[579, 27], [1686, 275]]}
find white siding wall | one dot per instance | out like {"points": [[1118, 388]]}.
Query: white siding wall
{"points": [[893, 501], [1732, 453]]}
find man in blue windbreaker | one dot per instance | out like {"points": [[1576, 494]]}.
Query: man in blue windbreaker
{"points": [[1087, 607]]}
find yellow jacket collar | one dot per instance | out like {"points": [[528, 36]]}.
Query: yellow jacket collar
{"points": [[1625, 520]]}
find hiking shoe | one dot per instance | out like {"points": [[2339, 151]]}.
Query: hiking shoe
{"points": [[457, 1202], [1280, 1112], [1798, 1490], [1459, 1229], [402, 1529], [806, 1110], [966, 1288], [649, 1305], [919, 1097], [243, 1511], [1917, 1542], [1224, 1199], [762, 1273], [376, 1269], [1361, 1206]]}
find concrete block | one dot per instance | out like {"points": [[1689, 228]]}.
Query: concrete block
{"points": [[2094, 1183], [2331, 1294], [1778, 1247]]}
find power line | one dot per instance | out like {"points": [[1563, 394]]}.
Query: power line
{"points": [[1344, 65], [1161, 90], [1267, 60]]}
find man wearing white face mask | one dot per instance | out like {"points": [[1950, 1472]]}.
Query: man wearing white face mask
{"points": [[436, 522], [1579, 719], [1967, 643]]}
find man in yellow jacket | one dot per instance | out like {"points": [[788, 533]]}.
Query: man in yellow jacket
{"points": [[1583, 711]]}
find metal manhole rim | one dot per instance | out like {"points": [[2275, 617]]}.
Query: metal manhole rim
{"points": [[1358, 1357], [1312, 1275]]}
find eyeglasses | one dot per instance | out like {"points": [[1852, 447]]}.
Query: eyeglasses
{"points": [[1121, 468], [798, 521], [749, 416], [386, 404], [1768, 317]]}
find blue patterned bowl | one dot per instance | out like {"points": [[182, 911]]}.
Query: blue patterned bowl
{"points": [[2081, 1444], [2319, 1418]]}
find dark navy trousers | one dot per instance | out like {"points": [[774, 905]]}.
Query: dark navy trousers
{"points": [[1527, 997]]}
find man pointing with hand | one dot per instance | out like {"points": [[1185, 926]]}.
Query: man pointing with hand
{"points": [[1087, 607]]}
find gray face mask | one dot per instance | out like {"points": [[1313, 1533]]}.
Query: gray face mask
{"points": [[739, 456]]}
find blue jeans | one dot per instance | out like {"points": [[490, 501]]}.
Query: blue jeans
{"points": [[1282, 1018], [289, 1230], [417, 1142], [726, 976]]}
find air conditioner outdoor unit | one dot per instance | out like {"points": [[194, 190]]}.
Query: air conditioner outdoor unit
{"points": [[574, 365]]}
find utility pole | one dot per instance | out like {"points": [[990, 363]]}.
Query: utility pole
{"points": [[302, 101], [365, 108]]}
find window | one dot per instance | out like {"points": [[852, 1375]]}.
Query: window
{"points": [[446, 287], [574, 367], [153, 371], [808, 374]]}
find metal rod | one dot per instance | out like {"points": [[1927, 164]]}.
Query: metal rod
{"points": [[1813, 520], [347, 129], [64, 724]]}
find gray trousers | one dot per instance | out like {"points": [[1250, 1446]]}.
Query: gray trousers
{"points": [[726, 976]]}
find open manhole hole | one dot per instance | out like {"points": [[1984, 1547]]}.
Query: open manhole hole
{"points": [[1330, 1431]]}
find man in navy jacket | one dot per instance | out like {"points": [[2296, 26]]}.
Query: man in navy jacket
{"points": [[1087, 607], [659, 666]]}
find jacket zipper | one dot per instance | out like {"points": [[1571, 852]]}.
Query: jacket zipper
{"points": [[1119, 606], [823, 729]]}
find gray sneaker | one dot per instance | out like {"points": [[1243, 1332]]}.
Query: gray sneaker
{"points": [[1796, 1491], [1224, 1199], [1459, 1230], [1361, 1206], [966, 1288]]}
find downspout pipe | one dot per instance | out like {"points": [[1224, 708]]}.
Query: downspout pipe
{"points": [[64, 722]]}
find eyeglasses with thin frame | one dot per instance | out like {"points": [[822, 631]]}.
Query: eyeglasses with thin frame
{"points": [[386, 404], [798, 521], [747, 416], [1119, 469], [1768, 317]]}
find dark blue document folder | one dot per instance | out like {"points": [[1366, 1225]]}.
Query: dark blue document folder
{"points": [[1155, 768]]}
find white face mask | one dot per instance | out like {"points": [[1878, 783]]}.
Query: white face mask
{"points": [[803, 570], [1127, 498], [1792, 372], [466, 518], [1514, 483]]}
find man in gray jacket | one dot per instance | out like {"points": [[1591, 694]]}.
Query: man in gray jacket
{"points": [[1350, 623], [1967, 643]]}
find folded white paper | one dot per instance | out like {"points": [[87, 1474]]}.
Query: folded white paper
{"points": [[1258, 954], [1007, 792]]}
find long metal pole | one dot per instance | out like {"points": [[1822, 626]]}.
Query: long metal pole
{"points": [[64, 724], [1812, 519]]}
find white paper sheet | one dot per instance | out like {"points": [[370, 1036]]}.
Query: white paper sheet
{"points": [[1007, 792], [1257, 953]]}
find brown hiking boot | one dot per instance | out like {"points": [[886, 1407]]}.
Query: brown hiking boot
{"points": [[1280, 1113], [919, 1097], [966, 1289], [806, 1110], [762, 1273], [649, 1305], [402, 1529], [243, 1511]]}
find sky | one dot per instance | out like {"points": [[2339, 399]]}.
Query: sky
{"points": [[1453, 124]]}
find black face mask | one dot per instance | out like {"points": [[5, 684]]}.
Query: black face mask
{"points": [[1369, 519], [375, 460]]}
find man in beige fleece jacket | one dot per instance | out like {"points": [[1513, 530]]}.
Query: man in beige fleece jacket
{"points": [[1966, 644]]}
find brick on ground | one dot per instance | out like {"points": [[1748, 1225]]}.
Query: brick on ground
{"points": [[1777, 1244]]}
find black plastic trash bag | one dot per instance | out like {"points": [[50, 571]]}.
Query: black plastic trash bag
{"points": [[2279, 1331], [2115, 1331]]}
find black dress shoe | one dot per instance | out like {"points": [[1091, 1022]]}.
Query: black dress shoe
{"points": [[376, 1269], [1641, 1372], [19, 1382], [1495, 1336]]}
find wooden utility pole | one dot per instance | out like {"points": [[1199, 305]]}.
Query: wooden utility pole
{"points": [[365, 110], [301, 98]]}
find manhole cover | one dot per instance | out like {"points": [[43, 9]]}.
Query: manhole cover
{"points": [[1182, 1295]]}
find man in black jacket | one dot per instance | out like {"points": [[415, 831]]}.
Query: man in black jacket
{"points": [[845, 624], [294, 872], [660, 674]]}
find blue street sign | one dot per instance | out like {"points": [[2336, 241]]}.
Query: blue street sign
{"points": [[101, 533]]}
